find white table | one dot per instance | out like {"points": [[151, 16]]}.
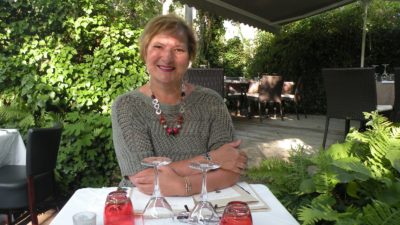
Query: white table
{"points": [[385, 92], [12, 148], [93, 199]]}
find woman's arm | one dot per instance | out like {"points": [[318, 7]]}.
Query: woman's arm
{"points": [[175, 177], [171, 184], [228, 156]]}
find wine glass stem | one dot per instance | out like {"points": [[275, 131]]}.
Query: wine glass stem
{"points": [[203, 194], [156, 192]]}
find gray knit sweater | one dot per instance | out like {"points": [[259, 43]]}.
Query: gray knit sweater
{"points": [[137, 132]]}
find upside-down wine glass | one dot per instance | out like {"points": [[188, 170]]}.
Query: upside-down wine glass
{"points": [[384, 74], [157, 207], [203, 212], [375, 72]]}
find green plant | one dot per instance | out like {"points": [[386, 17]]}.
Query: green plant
{"points": [[349, 183], [234, 58], [66, 61], [210, 42], [331, 39]]}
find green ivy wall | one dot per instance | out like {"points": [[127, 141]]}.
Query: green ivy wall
{"points": [[67, 61]]}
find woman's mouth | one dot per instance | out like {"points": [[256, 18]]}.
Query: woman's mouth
{"points": [[166, 68]]}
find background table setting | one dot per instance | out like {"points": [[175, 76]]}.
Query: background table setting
{"points": [[93, 199], [12, 148], [385, 92]]}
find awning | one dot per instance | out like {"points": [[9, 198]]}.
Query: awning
{"points": [[267, 15]]}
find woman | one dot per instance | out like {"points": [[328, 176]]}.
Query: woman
{"points": [[171, 118]]}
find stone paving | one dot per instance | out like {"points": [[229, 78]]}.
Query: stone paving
{"points": [[276, 138]]}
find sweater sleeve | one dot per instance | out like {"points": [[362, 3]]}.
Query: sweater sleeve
{"points": [[221, 128], [130, 134]]}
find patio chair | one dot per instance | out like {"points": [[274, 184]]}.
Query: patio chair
{"points": [[24, 188], [212, 78], [349, 93], [269, 93], [395, 117], [235, 94], [293, 93]]}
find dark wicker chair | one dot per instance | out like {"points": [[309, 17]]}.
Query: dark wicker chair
{"points": [[235, 94], [349, 93], [269, 93], [395, 117], [24, 188], [212, 78], [293, 93]]}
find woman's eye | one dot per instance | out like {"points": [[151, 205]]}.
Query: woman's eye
{"points": [[181, 50]]}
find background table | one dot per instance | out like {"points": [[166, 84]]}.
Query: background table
{"points": [[12, 148], [385, 92], [93, 199]]}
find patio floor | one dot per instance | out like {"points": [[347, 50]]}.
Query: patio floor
{"points": [[275, 138]]}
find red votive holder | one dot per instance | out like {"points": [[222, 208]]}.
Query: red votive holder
{"points": [[118, 209], [236, 213]]}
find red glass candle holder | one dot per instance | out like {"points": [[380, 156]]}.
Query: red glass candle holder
{"points": [[118, 209], [236, 213]]}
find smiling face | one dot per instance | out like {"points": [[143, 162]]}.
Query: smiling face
{"points": [[167, 58]]}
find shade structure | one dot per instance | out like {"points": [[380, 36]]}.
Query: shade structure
{"points": [[267, 15]]}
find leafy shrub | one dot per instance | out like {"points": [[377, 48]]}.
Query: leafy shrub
{"points": [[234, 58], [355, 182], [331, 39], [67, 61]]}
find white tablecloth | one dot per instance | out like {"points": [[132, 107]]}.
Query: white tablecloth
{"points": [[12, 148], [385, 92], [93, 199]]}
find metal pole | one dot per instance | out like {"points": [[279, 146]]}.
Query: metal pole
{"points": [[364, 30], [188, 15]]}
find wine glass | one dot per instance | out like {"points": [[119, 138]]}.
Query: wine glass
{"points": [[375, 72], [203, 212], [157, 207], [237, 213], [384, 74]]}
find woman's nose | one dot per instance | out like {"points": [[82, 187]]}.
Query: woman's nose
{"points": [[168, 55]]}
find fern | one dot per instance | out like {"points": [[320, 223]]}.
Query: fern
{"points": [[11, 113], [343, 183], [311, 215], [380, 213], [393, 154]]}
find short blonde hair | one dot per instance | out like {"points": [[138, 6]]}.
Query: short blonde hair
{"points": [[171, 24]]}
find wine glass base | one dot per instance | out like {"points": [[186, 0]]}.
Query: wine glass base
{"points": [[204, 214], [158, 208]]}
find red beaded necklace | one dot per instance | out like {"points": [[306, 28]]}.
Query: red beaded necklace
{"points": [[179, 121]]}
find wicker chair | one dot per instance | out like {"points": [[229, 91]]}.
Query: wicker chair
{"points": [[212, 78], [293, 93], [349, 93], [395, 117], [269, 92]]}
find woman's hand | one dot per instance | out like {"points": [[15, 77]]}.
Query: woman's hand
{"points": [[171, 184], [229, 157]]}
